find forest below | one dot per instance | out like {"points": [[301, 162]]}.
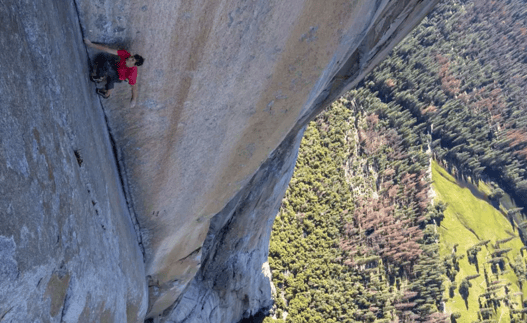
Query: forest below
{"points": [[407, 200]]}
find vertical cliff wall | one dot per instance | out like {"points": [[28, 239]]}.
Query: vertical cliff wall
{"points": [[224, 83], [204, 158], [68, 248]]}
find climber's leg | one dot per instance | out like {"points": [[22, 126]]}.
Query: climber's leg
{"points": [[100, 65]]}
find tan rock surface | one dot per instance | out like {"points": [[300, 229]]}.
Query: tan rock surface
{"points": [[223, 84]]}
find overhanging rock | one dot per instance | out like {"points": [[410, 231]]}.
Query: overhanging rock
{"points": [[223, 84]]}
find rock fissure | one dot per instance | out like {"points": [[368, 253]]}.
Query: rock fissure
{"points": [[65, 304], [6, 312], [192, 254], [119, 161]]}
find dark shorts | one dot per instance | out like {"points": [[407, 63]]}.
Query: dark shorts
{"points": [[106, 67]]}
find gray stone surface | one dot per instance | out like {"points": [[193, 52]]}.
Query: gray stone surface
{"points": [[68, 249]]}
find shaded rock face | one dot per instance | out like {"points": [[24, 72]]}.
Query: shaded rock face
{"points": [[204, 158], [68, 248]]}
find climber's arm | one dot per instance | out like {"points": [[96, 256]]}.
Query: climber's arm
{"points": [[100, 47], [134, 95]]}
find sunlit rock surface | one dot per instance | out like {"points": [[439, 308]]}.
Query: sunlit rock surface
{"points": [[224, 83], [225, 92]]}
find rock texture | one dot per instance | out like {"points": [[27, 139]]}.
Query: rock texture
{"points": [[234, 278], [204, 158], [68, 248], [224, 83]]}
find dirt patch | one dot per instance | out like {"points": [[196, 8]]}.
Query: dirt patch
{"points": [[56, 290]]}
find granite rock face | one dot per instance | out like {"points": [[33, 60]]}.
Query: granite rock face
{"points": [[204, 158], [223, 85], [68, 248], [234, 278]]}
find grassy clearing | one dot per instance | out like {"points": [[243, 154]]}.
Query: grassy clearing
{"points": [[470, 219]]}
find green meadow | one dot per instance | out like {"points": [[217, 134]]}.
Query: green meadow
{"points": [[471, 220]]}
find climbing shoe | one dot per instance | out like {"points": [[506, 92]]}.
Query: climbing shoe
{"points": [[102, 93], [96, 79]]}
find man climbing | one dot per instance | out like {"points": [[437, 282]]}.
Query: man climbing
{"points": [[112, 71]]}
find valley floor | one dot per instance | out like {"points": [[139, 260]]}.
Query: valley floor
{"points": [[471, 220]]}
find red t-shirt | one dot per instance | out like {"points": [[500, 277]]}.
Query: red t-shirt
{"points": [[125, 72]]}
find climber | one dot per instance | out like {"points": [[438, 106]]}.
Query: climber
{"points": [[124, 68]]}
